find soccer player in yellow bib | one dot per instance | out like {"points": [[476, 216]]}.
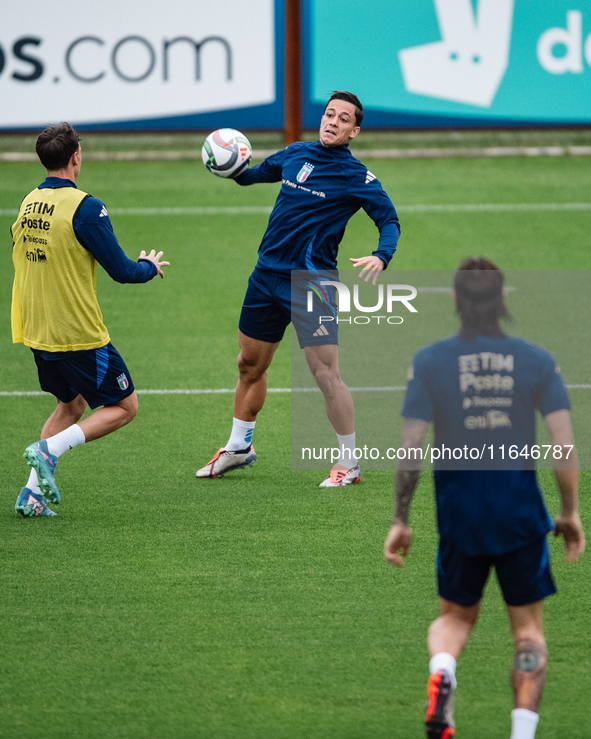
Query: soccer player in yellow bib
{"points": [[59, 236]]}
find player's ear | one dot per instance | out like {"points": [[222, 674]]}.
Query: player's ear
{"points": [[354, 132]]}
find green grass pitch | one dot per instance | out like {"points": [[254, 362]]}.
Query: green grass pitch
{"points": [[257, 606]]}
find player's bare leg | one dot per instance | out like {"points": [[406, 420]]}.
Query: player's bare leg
{"points": [[446, 639], [529, 667], [451, 631], [101, 422], [109, 418], [323, 361], [64, 416], [253, 361], [60, 433], [324, 365], [42, 458]]}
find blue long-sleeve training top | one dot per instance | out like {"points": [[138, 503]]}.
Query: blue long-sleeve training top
{"points": [[94, 231], [322, 187]]}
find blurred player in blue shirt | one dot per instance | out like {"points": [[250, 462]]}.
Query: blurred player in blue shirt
{"points": [[482, 388], [323, 185]]}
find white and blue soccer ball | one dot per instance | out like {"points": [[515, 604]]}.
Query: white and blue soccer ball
{"points": [[226, 152]]}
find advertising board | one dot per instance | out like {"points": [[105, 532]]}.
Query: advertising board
{"points": [[453, 62], [128, 64]]}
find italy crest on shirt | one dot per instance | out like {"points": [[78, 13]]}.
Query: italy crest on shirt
{"points": [[304, 172]]}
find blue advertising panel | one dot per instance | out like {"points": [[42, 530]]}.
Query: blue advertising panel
{"points": [[452, 62]]}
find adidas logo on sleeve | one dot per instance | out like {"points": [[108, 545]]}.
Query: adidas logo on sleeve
{"points": [[104, 212], [369, 177]]}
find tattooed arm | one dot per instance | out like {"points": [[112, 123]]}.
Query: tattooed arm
{"points": [[406, 479]]}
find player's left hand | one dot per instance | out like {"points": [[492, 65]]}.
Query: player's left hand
{"points": [[398, 540], [155, 259], [574, 539], [371, 266]]}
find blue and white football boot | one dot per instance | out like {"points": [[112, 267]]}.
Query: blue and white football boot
{"points": [[30, 504], [44, 464]]}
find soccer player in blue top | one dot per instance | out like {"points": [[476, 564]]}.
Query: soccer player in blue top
{"points": [[481, 388], [60, 235], [323, 185]]}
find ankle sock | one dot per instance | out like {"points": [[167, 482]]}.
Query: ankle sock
{"points": [[444, 661], [346, 444], [65, 440], [523, 723], [241, 436], [33, 483]]}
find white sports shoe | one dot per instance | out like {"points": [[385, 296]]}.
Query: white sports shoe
{"points": [[224, 461], [340, 475]]}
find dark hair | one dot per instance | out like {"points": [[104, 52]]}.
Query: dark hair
{"points": [[348, 97], [478, 284], [56, 145]]}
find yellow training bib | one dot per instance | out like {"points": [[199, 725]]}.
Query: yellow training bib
{"points": [[54, 303]]}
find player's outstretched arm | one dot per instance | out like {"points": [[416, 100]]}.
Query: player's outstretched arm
{"points": [[407, 476], [155, 259], [94, 231], [567, 524], [269, 170], [372, 266]]}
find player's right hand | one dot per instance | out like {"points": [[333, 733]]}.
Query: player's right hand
{"points": [[155, 259], [574, 539], [398, 540]]}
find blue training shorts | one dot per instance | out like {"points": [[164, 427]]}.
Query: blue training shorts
{"points": [[273, 302], [99, 375], [524, 574]]}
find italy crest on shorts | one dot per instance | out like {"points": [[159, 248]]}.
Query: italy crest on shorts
{"points": [[305, 172], [123, 382]]}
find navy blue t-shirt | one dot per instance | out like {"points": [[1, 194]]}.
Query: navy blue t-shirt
{"points": [[480, 392], [322, 187]]}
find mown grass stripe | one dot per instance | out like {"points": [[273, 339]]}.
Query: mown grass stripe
{"points": [[225, 390], [266, 209], [447, 152]]}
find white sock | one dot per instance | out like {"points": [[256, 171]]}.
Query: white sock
{"points": [[347, 447], [523, 723], [444, 661], [67, 439], [33, 483], [241, 436]]}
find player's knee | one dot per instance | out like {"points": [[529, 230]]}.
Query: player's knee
{"points": [[131, 413], [129, 407], [528, 630], [455, 616], [250, 369], [326, 379], [72, 412]]}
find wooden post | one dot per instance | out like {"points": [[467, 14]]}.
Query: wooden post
{"points": [[293, 72]]}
